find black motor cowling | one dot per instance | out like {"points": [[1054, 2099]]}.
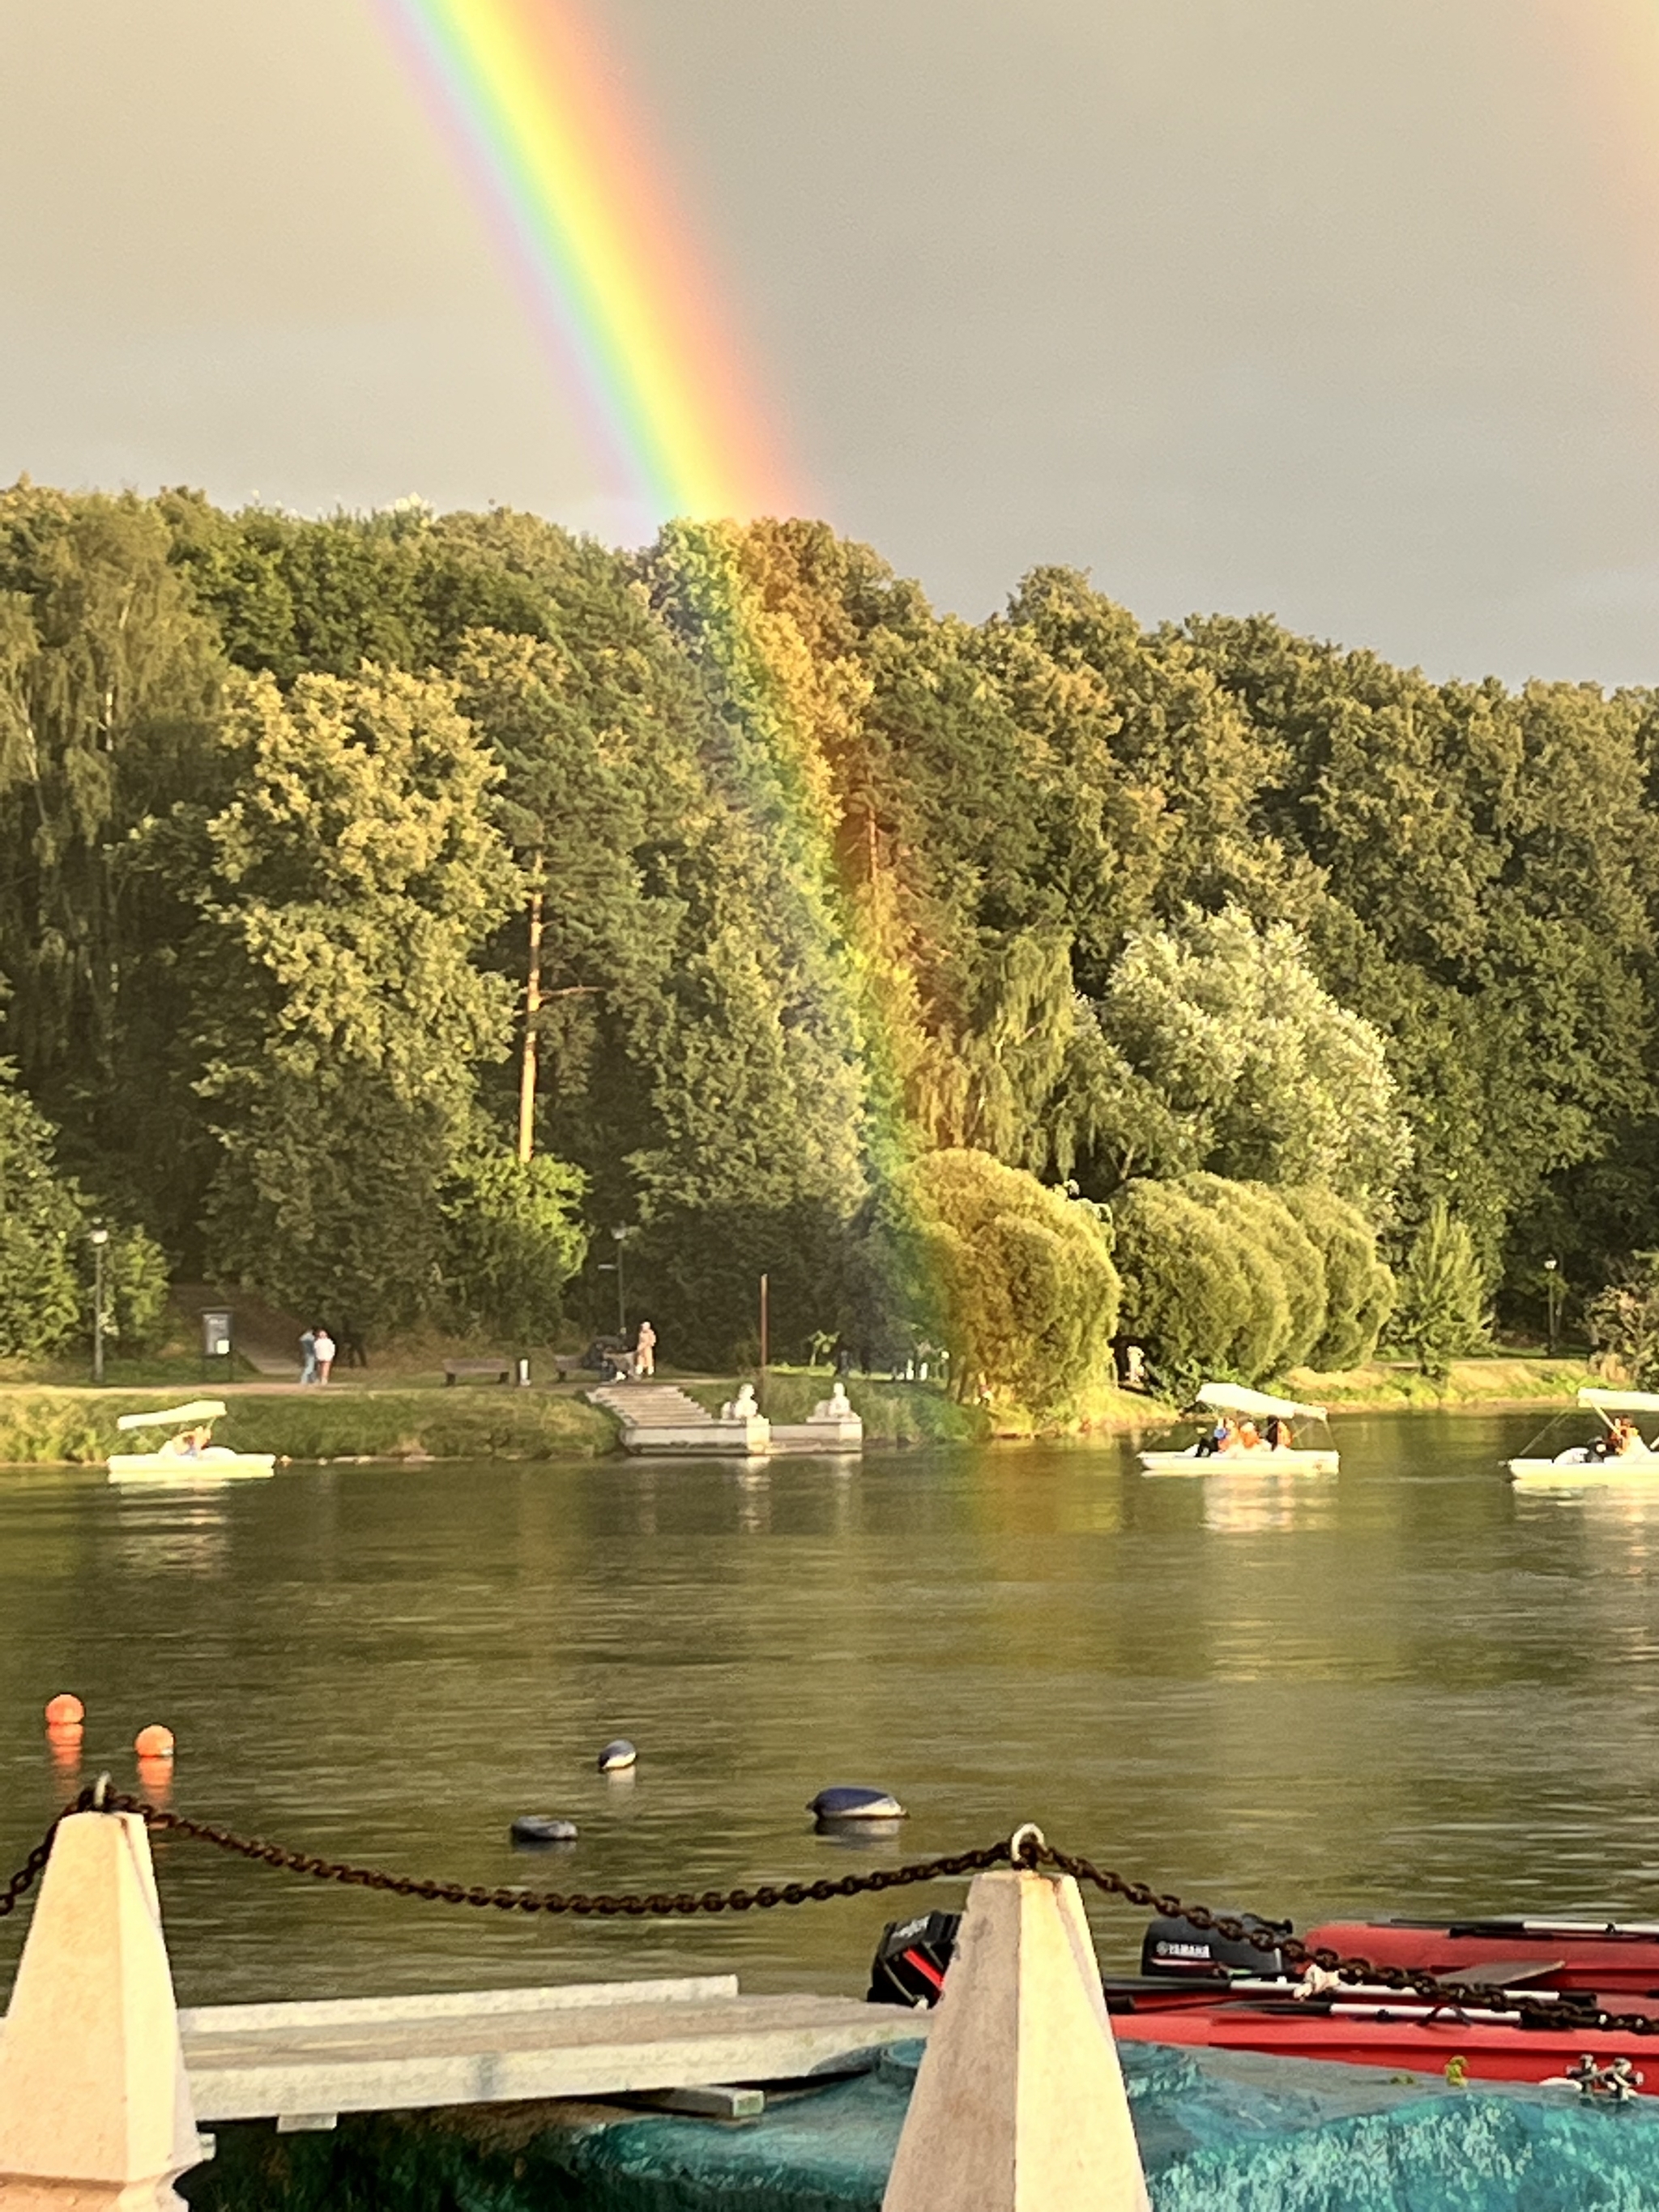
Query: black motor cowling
{"points": [[909, 1967], [1174, 1950]]}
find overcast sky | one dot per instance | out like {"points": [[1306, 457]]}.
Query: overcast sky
{"points": [[1345, 309]]}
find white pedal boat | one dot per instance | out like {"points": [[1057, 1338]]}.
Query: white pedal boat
{"points": [[188, 1455], [1263, 1458], [1582, 1466]]}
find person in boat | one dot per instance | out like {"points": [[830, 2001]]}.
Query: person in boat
{"points": [[1616, 1440], [1278, 1433], [1222, 1437], [189, 1444], [1249, 1436]]}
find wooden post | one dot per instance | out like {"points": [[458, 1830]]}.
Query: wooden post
{"points": [[95, 2108], [1019, 2104], [533, 1003], [765, 1289]]}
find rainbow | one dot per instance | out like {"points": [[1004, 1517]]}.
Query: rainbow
{"points": [[615, 282], [609, 270]]}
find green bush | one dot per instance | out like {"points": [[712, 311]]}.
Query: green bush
{"points": [[1015, 1279], [1286, 1274], [47, 1271], [1360, 1290], [515, 1241], [39, 1221], [1185, 1297]]}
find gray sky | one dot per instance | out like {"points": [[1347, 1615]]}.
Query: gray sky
{"points": [[1345, 309]]}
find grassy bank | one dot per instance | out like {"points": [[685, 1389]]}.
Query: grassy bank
{"points": [[892, 1413], [1387, 1386], [54, 1427]]}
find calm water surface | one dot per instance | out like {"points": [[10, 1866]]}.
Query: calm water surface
{"points": [[1400, 1689]]}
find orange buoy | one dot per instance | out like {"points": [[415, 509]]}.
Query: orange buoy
{"points": [[153, 1742], [65, 1711]]}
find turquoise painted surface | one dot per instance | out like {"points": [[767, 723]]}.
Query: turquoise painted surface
{"points": [[1218, 2134]]}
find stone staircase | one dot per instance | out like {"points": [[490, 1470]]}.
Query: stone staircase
{"points": [[657, 1418], [652, 1406]]}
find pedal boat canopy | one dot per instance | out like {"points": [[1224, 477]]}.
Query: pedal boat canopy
{"points": [[1233, 1398], [199, 1409], [1619, 1401]]}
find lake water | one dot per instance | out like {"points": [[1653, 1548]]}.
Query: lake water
{"points": [[1401, 1689]]}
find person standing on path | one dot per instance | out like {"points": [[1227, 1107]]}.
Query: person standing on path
{"points": [[308, 1357], [325, 1352], [645, 1352]]}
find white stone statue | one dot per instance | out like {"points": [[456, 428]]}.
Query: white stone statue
{"points": [[837, 1407], [743, 1406]]}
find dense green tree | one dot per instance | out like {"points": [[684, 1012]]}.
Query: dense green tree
{"points": [[818, 883], [108, 695], [1486, 905], [1441, 1306], [1269, 1078], [1016, 1281], [46, 1266], [1623, 1320], [347, 885]]}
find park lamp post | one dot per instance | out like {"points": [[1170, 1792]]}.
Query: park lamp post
{"points": [[1553, 1277], [99, 1238], [621, 1235]]}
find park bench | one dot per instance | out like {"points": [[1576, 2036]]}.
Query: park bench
{"points": [[477, 1370]]}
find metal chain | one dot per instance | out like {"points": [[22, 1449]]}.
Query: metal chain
{"points": [[1027, 1848], [654, 1904]]}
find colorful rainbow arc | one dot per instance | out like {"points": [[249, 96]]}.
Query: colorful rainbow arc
{"points": [[613, 278], [609, 268]]}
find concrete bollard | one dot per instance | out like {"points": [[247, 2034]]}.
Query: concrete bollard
{"points": [[1019, 2104], [95, 2109]]}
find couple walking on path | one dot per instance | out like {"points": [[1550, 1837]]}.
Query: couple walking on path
{"points": [[317, 1350]]}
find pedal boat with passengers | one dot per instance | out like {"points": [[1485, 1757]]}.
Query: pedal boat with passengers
{"points": [[1604, 1460], [188, 1455], [1258, 1458]]}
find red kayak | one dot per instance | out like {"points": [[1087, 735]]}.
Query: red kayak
{"points": [[1377, 2029], [1568, 1954]]}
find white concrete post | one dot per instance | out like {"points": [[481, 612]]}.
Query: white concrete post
{"points": [[1020, 2105], [95, 2111]]}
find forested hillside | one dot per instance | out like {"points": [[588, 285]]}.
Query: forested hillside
{"points": [[998, 987]]}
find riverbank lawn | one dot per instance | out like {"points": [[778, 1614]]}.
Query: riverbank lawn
{"points": [[47, 1427]]}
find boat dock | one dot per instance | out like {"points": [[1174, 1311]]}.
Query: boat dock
{"points": [[660, 1420], [304, 2064]]}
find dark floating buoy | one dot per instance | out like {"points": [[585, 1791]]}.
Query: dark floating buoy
{"points": [[616, 1756], [542, 1828], [847, 1801]]}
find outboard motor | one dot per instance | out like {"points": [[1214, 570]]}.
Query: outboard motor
{"points": [[1173, 1950], [909, 1967]]}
